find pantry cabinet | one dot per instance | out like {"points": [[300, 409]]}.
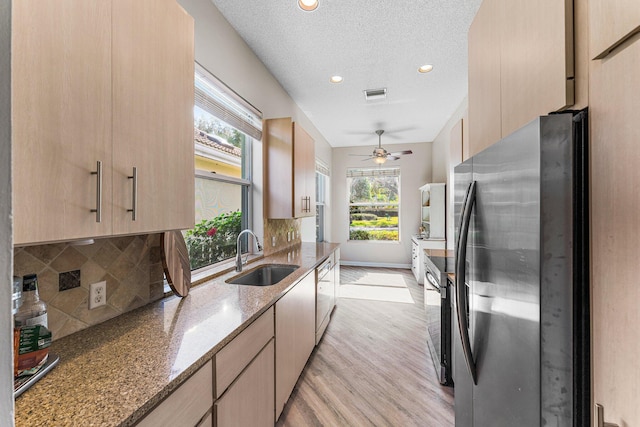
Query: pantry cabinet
{"points": [[289, 159], [295, 318], [614, 116], [611, 22], [100, 88]]}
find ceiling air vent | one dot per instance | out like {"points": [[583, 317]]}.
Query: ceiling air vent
{"points": [[375, 94]]}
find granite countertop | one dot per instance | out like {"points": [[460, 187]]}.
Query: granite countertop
{"points": [[113, 373]]}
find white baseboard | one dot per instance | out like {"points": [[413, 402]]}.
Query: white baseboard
{"points": [[373, 264]]}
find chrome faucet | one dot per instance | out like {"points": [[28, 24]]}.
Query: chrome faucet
{"points": [[239, 262]]}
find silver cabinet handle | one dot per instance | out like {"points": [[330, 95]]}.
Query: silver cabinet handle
{"points": [[98, 174], [432, 280], [306, 204], [134, 197], [599, 415]]}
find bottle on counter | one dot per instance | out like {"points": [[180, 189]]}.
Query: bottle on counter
{"points": [[33, 310]]}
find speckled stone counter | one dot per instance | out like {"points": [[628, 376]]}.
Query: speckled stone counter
{"points": [[113, 373]]}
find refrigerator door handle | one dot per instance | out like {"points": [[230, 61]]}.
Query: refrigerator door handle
{"points": [[461, 255]]}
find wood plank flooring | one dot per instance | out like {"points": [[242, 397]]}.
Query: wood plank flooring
{"points": [[372, 367]]}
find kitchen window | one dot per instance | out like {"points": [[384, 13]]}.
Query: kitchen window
{"points": [[374, 203], [225, 126], [322, 183]]}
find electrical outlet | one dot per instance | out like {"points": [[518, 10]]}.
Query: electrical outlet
{"points": [[97, 294], [273, 241]]}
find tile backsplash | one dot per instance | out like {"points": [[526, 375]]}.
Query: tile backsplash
{"points": [[278, 229], [131, 266]]}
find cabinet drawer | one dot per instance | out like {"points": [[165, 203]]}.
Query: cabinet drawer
{"points": [[236, 355], [187, 404], [250, 400]]}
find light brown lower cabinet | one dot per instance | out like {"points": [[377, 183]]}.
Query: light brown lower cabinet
{"points": [[295, 336], [249, 401], [207, 421], [250, 379], [187, 405]]}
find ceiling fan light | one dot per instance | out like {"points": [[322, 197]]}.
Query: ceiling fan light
{"points": [[379, 159], [308, 5]]}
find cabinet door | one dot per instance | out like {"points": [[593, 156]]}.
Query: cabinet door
{"points": [[153, 98], [250, 399], [414, 258], [615, 203], [304, 168], [187, 404], [484, 77], [61, 118], [611, 22], [336, 277], [520, 66], [278, 174], [536, 58], [295, 336]]}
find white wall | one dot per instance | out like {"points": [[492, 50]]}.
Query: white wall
{"points": [[443, 166], [6, 237], [220, 50], [415, 171]]}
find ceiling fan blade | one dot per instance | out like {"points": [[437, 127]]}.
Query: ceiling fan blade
{"points": [[393, 158], [367, 155], [400, 153]]}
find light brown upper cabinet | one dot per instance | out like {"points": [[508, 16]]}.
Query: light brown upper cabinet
{"points": [[109, 83], [289, 175], [521, 65], [153, 98], [611, 23], [484, 77], [61, 118]]}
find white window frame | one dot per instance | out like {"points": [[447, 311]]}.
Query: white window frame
{"points": [[213, 96], [379, 171]]}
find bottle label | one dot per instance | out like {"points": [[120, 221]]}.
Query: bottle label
{"points": [[39, 320]]}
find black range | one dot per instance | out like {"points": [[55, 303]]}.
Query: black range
{"points": [[437, 302]]}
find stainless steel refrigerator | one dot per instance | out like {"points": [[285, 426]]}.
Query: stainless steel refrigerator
{"points": [[521, 319]]}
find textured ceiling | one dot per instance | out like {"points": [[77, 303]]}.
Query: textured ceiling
{"points": [[373, 44]]}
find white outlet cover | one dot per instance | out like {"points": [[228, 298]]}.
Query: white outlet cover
{"points": [[97, 294]]}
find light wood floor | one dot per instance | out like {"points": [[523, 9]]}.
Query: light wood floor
{"points": [[372, 367]]}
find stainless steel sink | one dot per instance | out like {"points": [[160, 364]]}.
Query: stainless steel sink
{"points": [[264, 275]]}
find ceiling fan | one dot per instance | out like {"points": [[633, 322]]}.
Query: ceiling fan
{"points": [[380, 155]]}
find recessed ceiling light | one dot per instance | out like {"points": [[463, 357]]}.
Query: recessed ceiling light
{"points": [[308, 5], [336, 79], [425, 68]]}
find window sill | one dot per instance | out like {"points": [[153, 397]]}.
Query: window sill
{"points": [[376, 241]]}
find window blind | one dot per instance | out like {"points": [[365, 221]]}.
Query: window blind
{"points": [[372, 172], [215, 97], [322, 168]]}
